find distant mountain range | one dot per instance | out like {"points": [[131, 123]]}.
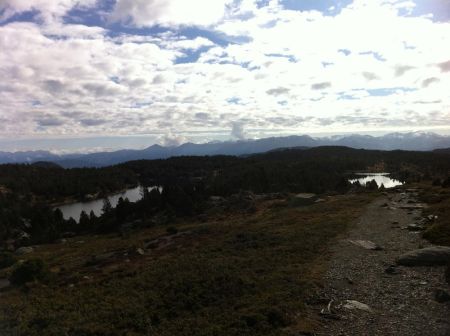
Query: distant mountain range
{"points": [[417, 141]]}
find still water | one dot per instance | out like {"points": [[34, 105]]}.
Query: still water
{"points": [[380, 179], [74, 209]]}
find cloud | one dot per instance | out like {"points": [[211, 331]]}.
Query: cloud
{"points": [[428, 81], [171, 140], [400, 70], [147, 13], [202, 116], [49, 121], [278, 91], [444, 66], [237, 130], [321, 86], [369, 75], [92, 122], [47, 9], [242, 58]]}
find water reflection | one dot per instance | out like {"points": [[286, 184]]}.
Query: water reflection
{"points": [[74, 209], [380, 179]]}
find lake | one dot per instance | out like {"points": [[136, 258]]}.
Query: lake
{"points": [[380, 178], [74, 209]]}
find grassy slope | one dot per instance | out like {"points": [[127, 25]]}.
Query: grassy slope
{"points": [[438, 200], [234, 275]]}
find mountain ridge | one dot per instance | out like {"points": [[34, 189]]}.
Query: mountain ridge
{"points": [[416, 141]]}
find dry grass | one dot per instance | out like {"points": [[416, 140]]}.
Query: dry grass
{"points": [[233, 275]]}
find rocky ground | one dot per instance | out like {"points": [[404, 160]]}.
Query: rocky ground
{"points": [[385, 299]]}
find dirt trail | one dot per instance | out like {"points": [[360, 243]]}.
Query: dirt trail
{"points": [[402, 303]]}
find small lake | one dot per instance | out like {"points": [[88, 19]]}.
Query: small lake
{"points": [[74, 209], [380, 179]]}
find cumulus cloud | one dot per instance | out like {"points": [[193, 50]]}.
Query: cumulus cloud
{"points": [[369, 75], [400, 70], [237, 130], [47, 9], [278, 91], [428, 81], [92, 122], [321, 86], [61, 79], [49, 121], [147, 13], [444, 66]]}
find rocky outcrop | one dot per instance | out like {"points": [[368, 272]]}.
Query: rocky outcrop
{"points": [[430, 256]]}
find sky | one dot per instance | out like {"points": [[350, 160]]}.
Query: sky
{"points": [[87, 75]]}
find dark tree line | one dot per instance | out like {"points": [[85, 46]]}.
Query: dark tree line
{"points": [[187, 183]]}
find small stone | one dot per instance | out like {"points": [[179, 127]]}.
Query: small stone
{"points": [[391, 270], [423, 283], [441, 296], [140, 251], [366, 244], [352, 304], [415, 227]]}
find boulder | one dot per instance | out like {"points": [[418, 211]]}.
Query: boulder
{"points": [[24, 250], [429, 256]]}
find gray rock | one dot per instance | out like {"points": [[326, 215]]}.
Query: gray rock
{"points": [[441, 296], [429, 256], [391, 270], [352, 305], [4, 283], [415, 227], [366, 244], [24, 250]]}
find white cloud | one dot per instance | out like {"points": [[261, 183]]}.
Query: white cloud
{"points": [[48, 9], [288, 74], [145, 13]]}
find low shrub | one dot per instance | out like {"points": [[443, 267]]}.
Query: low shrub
{"points": [[6, 260], [30, 270]]}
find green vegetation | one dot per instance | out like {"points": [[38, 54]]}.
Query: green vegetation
{"points": [[236, 274], [6, 259], [30, 270], [438, 199], [226, 247]]}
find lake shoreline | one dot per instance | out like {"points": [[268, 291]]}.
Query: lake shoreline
{"points": [[96, 197]]}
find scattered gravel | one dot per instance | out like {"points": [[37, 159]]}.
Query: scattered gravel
{"points": [[402, 300]]}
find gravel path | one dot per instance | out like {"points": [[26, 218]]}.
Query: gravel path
{"points": [[403, 302]]}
